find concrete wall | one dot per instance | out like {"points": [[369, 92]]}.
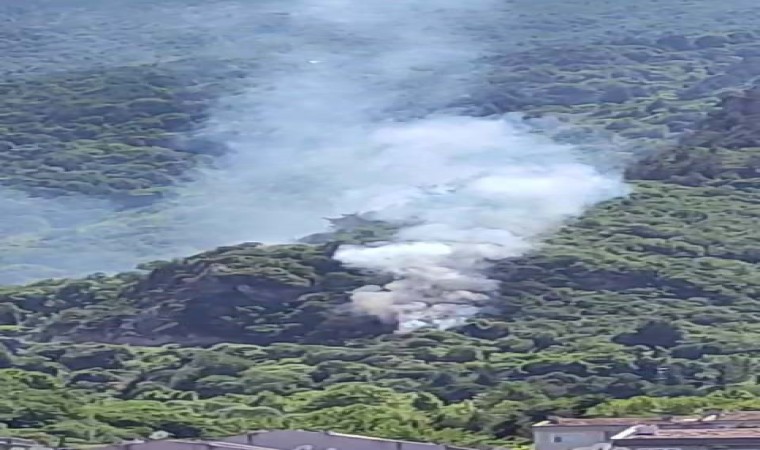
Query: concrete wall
{"points": [[568, 438], [313, 440]]}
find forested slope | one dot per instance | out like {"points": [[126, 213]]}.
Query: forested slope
{"points": [[654, 295]]}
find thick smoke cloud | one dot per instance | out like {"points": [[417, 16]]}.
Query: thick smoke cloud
{"points": [[347, 111], [355, 120], [476, 190]]}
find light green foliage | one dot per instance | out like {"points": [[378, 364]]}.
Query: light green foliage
{"points": [[646, 305]]}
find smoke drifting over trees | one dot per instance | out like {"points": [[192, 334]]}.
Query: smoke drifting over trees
{"points": [[348, 108]]}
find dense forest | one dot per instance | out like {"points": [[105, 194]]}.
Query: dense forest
{"points": [[648, 304]]}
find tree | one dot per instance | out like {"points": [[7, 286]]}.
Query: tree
{"points": [[653, 334]]}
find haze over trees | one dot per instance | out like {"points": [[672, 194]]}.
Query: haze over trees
{"points": [[645, 304]]}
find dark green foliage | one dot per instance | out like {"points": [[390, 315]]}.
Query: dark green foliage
{"points": [[120, 133], [652, 334], [646, 304]]}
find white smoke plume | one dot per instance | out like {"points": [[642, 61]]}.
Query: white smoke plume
{"points": [[478, 190], [347, 111], [359, 125]]}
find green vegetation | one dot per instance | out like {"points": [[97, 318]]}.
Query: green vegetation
{"points": [[645, 305], [114, 133]]}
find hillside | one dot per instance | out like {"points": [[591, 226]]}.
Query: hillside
{"points": [[100, 151], [653, 295], [109, 133]]}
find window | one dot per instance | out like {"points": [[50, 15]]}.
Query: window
{"points": [[556, 439]]}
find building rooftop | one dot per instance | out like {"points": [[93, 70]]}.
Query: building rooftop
{"points": [[739, 415], [6, 441], [707, 432], [277, 440], [689, 433], [185, 443], [662, 420], [616, 421], [233, 446]]}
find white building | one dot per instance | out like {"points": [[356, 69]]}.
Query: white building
{"points": [[592, 433], [569, 434]]}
